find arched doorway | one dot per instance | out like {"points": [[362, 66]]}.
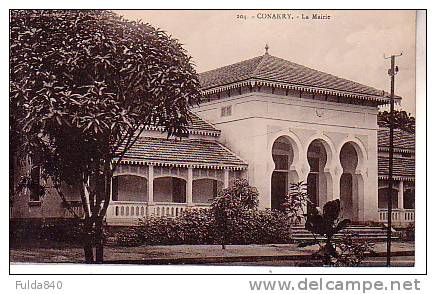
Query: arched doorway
{"points": [[204, 190], [349, 182], [129, 188], [282, 176], [317, 179], [169, 189]]}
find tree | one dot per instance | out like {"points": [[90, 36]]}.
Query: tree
{"points": [[231, 203], [402, 120], [83, 86], [296, 201]]}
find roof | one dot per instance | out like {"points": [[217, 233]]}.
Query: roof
{"points": [[200, 124], [404, 168], [274, 69], [185, 152], [197, 125], [404, 142]]}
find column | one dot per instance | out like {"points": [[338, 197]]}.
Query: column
{"points": [[150, 184], [401, 195], [189, 188], [401, 201], [226, 178]]}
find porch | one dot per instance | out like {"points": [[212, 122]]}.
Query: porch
{"points": [[130, 212], [400, 217]]}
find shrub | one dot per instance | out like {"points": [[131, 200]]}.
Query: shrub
{"points": [[230, 205], [260, 227], [198, 227], [129, 238]]}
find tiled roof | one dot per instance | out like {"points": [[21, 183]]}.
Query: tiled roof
{"points": [[197, 125], [403, 167], [201, 124], [274, 69], [183, 152], [403, 141]]}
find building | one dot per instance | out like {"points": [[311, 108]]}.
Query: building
{"points": [[403, 202], [268, 120]]}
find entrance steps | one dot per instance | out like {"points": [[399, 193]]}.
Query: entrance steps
{"points": [[359, 232]]}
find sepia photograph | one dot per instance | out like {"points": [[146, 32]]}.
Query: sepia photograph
{"points": [[253, 139]]}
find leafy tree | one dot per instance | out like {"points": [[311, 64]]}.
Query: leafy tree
{"points": [[326, 224], [231, 203], [83, 86], [296, 201], [402, 120]]}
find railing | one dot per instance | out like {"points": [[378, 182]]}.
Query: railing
{"points": [[133, 211], [127, 210], [400, 217]]}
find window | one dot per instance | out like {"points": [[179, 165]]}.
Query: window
{"points": [[226, 111]]}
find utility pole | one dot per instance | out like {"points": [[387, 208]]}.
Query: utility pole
{"points": [[392, 72]]}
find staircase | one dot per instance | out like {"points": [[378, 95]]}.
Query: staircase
{"points": [[359, 232]]}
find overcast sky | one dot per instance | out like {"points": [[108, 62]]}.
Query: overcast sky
{"points": [[350, 44]]}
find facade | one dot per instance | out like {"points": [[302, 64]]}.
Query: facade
{"points": [[265, 119]]}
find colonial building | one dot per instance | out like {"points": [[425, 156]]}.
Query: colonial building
{"points": [[403, 205], [273, 122]]}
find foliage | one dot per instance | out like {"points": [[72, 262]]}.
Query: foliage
{"points": [[296, 201], [350, 252], [260, 227], [402, 120], [65, 231], [408, 234], [231, 203], [197, 227], [83, 86], [326, 224]]}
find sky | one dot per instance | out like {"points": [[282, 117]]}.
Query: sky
{"points": [[350, 44]]}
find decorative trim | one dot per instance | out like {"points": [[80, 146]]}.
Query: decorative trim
{"points": [[191, 131], [288, 86], [398, 150], [396, 178], [186, 164]]}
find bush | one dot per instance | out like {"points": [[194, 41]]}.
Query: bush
{"points": [[260, 227], [66, 231], [197, 227]]}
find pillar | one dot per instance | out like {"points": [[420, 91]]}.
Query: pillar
{"points": [[150, 184], [189, 187], [401, 195], [226, 178]]}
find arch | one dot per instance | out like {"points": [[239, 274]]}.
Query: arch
{"points": [[297, 147], [320, 167], [169, 176], [169, 189], [284, 156], [353, 159], [129, 173], [330, 149], [129, 187], [361, 151], [205, 189]]}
